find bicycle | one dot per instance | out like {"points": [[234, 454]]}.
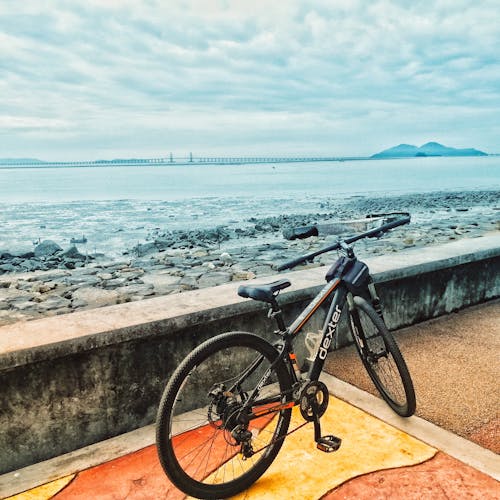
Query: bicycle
{"points": [[226, 410]]}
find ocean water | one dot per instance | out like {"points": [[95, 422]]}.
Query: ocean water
{"points": [[116, 207], [167, 183]]}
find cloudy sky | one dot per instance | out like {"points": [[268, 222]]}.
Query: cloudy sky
{"points": [[105, 79]]}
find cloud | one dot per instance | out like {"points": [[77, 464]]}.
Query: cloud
{"points": [[335, 77]]}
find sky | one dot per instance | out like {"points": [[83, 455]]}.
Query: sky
{"points": [[85, 80]]}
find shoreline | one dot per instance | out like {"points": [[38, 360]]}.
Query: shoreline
{"points": [[174, 261]]}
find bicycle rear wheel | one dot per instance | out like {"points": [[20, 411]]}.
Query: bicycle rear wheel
{"points": [[382, 358], [210, 445]]}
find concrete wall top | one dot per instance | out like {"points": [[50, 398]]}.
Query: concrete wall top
{"points": [[27, 342]]}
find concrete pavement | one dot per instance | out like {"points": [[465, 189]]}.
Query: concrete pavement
{"points": [[455, 365]]}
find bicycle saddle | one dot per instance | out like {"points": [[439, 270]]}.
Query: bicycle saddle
{"points": [[264, 293]]}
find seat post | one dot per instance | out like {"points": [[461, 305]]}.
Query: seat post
{"points": [[275, 312]]}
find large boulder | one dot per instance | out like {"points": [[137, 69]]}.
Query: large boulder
{"points": [[47, 248]]}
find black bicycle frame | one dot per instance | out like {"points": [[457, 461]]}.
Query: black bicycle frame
{"points": [[339, 292], [330, 325]]}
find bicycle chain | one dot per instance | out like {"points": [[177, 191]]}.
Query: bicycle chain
{"points": [[310, 408], [277, 440]]}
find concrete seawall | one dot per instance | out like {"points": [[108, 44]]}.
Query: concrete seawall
{"points": [[73, 380]]}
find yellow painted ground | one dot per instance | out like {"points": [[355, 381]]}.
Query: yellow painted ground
{"points": [[45, 491], [368, 444]]}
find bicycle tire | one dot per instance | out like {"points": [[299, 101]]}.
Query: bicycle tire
{"points": [[211, 466], [382, 359]]}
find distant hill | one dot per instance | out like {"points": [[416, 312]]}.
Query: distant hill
{"points": [[17, 161], [428, 149]]}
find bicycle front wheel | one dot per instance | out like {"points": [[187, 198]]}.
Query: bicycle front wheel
{"points": [[382, 358], [224, 415]]}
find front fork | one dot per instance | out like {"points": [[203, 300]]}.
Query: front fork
{"points": [[375, 299], [357, 332], [356, 329]]}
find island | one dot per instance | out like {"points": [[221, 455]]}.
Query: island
{"points": [[428, 149]]}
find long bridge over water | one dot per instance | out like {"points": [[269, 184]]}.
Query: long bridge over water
{"points": [[171, 160]]}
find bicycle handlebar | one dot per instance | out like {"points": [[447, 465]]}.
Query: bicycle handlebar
{"points": [[368, 234]]}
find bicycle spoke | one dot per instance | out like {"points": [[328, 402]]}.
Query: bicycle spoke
{"points": [[383, 360], [211, 427], [387, 371]]}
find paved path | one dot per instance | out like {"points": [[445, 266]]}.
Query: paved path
{"points": [[455, 365], [382, 455]]}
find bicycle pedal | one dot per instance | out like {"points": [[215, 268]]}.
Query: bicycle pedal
{"points": [[328, 443]]}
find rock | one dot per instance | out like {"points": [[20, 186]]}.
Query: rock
{"points": [[162, 244], [262, 270], [26, 255], [77, 303], [243, 275], [117, 265], [162, 283], [53, 302], [114, 283], [132, 273], [47, 248], [200, 253], [277, 246], [188, 283], [82, 280], [292, 233], [87, 271], [214, 279], [34, 265], [104, 276], [8, 268], [44, 287], [73, 254], [226, 258], [49, 276], [138, 290], [95, 297], [23, 285], [145, 248], [22, 304]]}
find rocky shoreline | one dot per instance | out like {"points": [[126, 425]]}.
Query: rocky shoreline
{"points": [[50, 280]]}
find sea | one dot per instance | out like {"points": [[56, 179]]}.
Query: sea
{"points": [[115, 207]]}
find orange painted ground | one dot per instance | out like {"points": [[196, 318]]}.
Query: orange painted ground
{"points": [[441, 478], [136, 476], [139, 475]]}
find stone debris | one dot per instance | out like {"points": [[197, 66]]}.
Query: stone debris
{"points": [[51, 280]]}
